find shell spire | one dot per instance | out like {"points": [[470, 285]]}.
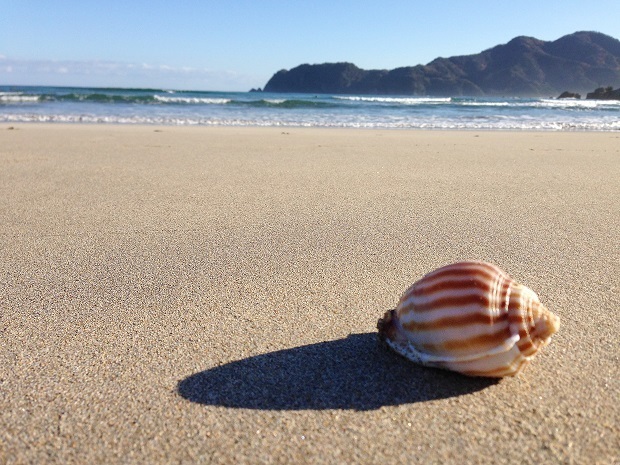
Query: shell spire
{"points": [[469, 317]]}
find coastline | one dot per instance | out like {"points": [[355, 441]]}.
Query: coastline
{"points": [[248, 109], [140, 264], [10, 125]]}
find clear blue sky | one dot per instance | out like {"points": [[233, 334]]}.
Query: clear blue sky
{"points": [[239, 44]]}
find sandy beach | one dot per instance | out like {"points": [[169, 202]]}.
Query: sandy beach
{"points": [[210, 295]]}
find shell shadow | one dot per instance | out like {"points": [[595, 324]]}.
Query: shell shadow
{"points": [[357, 372]]}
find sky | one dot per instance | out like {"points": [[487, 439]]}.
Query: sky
{"points": [[235, 45]]}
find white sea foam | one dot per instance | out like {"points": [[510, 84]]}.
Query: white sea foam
{"points": [[484, 104], [199, 100], [573, 103], [592, 124], [401, 100], [545, 103], [17, 97]]}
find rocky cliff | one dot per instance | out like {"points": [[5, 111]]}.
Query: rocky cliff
{"points": [[604, 93], [525, 66]]}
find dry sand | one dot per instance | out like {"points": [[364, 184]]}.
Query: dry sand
{"points": [[202, 295]]}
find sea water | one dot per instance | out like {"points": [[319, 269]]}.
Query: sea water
{"points": [[198, 108]]}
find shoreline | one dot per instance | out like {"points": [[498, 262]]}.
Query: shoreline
{"points": [[328, 128], [287, 111], [211, 294]]}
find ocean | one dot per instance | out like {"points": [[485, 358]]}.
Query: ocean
{"points": [[197, 108]]}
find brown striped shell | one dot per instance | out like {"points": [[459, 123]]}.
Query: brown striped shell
{"points": [[469, 317]]}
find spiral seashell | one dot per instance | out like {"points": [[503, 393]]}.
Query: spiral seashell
{"points": [[469, 317]]}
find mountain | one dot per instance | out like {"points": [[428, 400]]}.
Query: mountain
{"points": [[525, 66]]}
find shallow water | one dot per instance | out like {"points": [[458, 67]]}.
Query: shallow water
{"points": [[173, 107]]}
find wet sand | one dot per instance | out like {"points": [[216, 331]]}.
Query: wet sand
{"points": [[210, 295]]}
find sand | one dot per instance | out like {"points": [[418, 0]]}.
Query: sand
{"points": [[210, 295]]}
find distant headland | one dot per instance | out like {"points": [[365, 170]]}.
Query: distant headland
{"points": [[525, 66]]}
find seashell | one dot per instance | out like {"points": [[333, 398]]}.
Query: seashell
{"points": [[469, 317]]}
